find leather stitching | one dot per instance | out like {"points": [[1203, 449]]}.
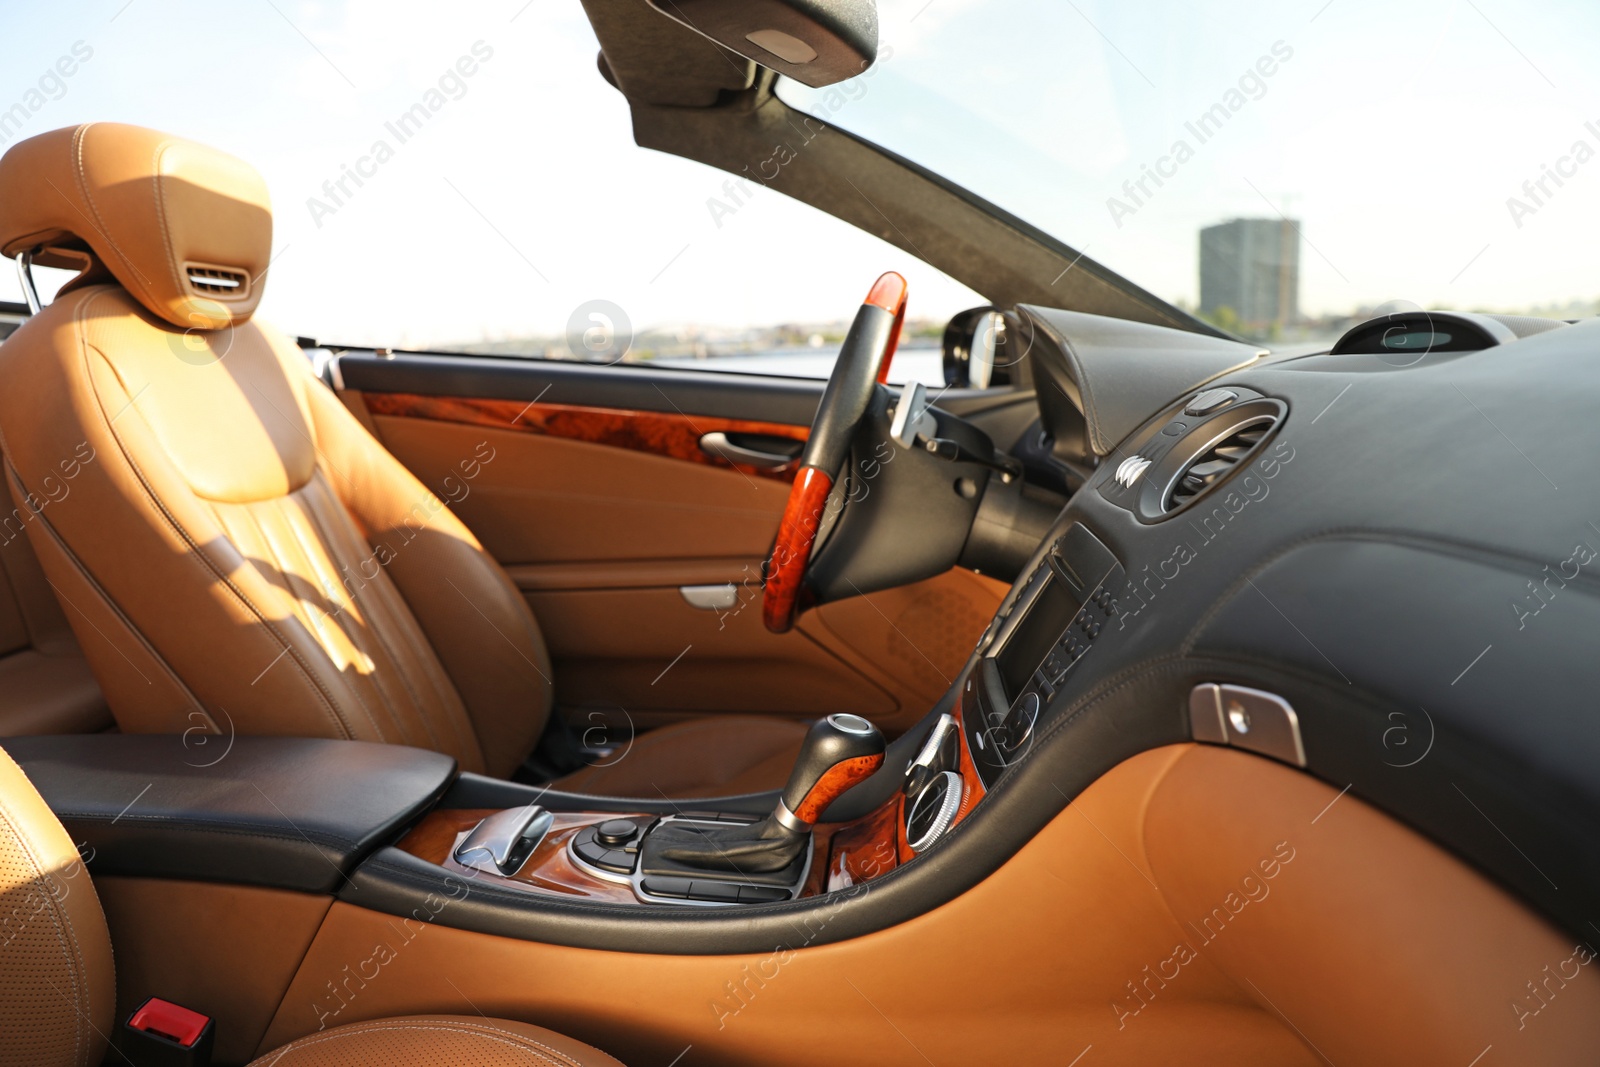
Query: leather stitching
{"points": [[382, 600], [201, 559], [312, 627], [110, 605], [63, 931], [369, 628], [161, 213], [191, 826], [505, 1037], [389, 598], [78, 137]]}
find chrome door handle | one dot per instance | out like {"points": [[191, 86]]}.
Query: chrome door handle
{"points": [[717, 444], [719, 597]]}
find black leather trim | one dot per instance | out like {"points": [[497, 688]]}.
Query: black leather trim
{"points": [[285, 813], [1116, 372], [481, 791]]}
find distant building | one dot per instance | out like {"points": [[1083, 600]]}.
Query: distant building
{"points": [[1251, 266]]}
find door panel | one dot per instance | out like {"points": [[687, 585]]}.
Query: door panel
{"points": [[601, 514], [543, 500]]}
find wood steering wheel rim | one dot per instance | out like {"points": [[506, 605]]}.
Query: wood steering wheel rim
{"points": [[862, 365]]}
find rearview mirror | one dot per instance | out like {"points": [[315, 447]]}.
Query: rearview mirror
{"points": [[815, 42], [975, 350]]}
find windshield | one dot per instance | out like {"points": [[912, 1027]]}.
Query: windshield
{"points": [[1283, 169]]}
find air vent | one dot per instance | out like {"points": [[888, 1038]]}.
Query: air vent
{"points": [[1215, 463], [218, 281]]}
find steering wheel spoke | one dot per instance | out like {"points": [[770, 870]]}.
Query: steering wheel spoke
{"points": [[862, 365]]}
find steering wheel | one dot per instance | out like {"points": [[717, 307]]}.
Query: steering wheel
{"points": [[863, 363]]}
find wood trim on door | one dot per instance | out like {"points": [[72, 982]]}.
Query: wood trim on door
{"points": [[675, 435]]}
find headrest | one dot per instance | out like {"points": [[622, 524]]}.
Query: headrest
{"points": [[186, 229]]}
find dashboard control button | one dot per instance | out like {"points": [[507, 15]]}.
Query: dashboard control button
{"points": [[1174, 428], [1210, 400], [1018, 727], [934, 810], [614, 832], [762, 894], [666, 887], [720, 892]]}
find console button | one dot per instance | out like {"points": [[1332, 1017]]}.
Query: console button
{"points": [[588, 849], [722, 892], [1210, 400], [1018, 726], [614, 832], [618, 859], [761, 894], [666, 887]]}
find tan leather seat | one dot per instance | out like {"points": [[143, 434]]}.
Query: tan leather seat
{"points": [[236, 552], [58, 988]]}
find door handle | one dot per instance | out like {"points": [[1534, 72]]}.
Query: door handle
{"points": [[718, 444]]}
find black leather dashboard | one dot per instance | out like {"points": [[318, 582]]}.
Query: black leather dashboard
{"points": [[1418, 572]]}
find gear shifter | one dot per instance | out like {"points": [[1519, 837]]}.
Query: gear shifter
{"points": [[839, 751]]}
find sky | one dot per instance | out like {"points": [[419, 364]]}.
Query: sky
{"points": [[1396, 132]]}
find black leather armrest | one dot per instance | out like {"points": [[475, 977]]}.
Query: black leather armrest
{"points": [[288, 813]]}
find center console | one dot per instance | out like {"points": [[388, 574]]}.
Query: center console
{"points": [[1035, 643], [701, 858], [718, 859]]}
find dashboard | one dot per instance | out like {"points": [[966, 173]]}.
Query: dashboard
{"points": [[1388, 553]]}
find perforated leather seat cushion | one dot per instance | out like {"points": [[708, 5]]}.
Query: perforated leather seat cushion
{"points": [[56, 983], [437, 1041]]}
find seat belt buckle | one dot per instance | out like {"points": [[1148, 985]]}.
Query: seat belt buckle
{"points": [[160, 1033]]}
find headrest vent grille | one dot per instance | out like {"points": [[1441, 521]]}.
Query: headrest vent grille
{"points": [[218, 281]]}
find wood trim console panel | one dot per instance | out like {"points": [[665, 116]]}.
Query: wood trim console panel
{"points": [[549, 869], [844, 853]]}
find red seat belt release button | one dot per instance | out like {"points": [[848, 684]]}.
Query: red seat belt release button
{"points": [[172, 1021], [160, 1033]]}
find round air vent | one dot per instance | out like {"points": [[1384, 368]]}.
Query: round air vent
{"points": [[933, 810], [1204, 456], [1215, 463]]}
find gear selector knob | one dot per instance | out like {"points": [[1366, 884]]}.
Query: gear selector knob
{"points": [[839, 752]]}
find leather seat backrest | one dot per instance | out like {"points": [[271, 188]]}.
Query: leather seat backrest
{"points": [[46, 686], [57, 988], [234, 550]]}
